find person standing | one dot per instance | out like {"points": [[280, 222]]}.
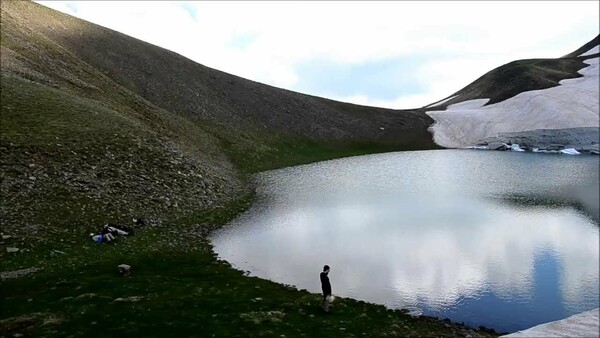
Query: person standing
{"points": [[326, 287]]}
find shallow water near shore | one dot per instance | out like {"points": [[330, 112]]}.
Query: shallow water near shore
{"points": [[499, 239]]}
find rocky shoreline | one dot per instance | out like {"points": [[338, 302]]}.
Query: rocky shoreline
{"points": [[572, 141]]}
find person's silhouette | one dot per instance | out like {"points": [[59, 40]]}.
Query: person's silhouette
{"points": [[326, 287]]}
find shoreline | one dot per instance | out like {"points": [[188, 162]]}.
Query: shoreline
{"points": [[68, 286], [584, 324]]}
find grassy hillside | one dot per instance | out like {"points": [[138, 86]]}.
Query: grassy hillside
{"points": [[519, 76], [96, 114], [98, 127]]}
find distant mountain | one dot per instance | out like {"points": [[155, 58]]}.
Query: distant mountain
{"points": [[539, 102]]}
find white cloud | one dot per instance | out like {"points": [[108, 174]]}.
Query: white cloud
{"points": [[279, 35]]}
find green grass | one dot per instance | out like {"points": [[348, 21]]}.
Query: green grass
{"points": [[185, 291]]}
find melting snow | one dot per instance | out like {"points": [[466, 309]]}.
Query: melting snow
{"points": [[574, 103], [591, 51], [515, 147], [440, 102], [585, 324], [570, 151]]}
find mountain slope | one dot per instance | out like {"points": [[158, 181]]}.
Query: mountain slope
{"points": [[182, 86], [542, 99], [99, 126]]}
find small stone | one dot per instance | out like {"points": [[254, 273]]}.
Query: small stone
{"points": [[132, 299], [6, 237], [86, 295], [11, 250], [32, 178], [124, 269]]}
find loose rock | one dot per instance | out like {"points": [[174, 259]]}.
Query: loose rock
{"points": [[18, 273], [124, 269]]}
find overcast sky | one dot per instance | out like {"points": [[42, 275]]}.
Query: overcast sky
{"points": [[389, 54]]}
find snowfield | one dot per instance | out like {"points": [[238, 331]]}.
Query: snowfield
{"points": [[585, 324], [573, 103]]}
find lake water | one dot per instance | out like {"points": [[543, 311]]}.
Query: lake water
{"points": [[499, 239]]}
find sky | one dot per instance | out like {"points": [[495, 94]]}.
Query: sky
{"points": [[389, 54]]}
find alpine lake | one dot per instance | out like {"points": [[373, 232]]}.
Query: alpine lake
{"points": [[504, 240]]}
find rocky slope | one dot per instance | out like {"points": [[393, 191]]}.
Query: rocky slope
{"points": [[528, 99], [97, 126]]}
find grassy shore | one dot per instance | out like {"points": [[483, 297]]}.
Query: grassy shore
{"points": [[178, 288]]}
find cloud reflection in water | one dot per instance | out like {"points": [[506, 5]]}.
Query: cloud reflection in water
{"points": [[391, 243]]}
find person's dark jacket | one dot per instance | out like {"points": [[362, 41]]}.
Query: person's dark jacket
{"points": [[325, 285]]}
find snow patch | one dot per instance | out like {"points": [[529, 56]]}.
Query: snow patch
{"points": [[591, 51], [441, 102], [470, 104], [585, 324], [570, 151], [573, 103], [515, 147]]}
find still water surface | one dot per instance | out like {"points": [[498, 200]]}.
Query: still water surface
{"points": [[500, 239]]}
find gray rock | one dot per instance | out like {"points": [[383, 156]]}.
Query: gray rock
{"points": [[124, 269], [85, 295], [497, 146], [18, 273], [554, 146], [131, 299], [11, 250]]}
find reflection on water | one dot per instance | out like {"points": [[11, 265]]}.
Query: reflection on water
{"points": [[426, 230]]}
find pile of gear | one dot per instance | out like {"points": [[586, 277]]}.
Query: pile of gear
{"points": [[110, 231]]}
